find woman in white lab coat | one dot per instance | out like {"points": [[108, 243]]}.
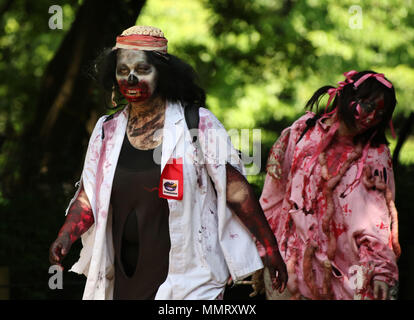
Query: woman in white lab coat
{"points": [[159, 215]]}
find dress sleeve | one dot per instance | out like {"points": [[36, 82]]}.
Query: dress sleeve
{"points": [[277, 174], [273, 189], [281, 154], [376, 219], [276, 157]]}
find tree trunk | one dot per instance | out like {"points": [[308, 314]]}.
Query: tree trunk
{"points": [[52, 148], [404, 133]]}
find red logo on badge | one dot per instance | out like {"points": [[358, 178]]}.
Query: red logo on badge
{"points": [[171, 182]]}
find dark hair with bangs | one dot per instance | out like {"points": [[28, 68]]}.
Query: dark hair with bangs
{"points": [[349, 93], [177, 81]]}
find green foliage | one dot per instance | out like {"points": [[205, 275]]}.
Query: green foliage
{"points": [[26, 46], [260, 61], [406, 157]]}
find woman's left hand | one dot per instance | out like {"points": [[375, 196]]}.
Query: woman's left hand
{"points": [[380, 290], [277, 269]]}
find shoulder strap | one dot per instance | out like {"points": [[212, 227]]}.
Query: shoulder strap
{"points": [[192, 118], [106, 119]]}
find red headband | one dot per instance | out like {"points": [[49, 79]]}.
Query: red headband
{"points": [[142, 42]]}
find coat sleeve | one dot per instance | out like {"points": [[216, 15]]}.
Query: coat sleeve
{"points": [[91, 163], [88, 181], [373, 222], [216, 143], [236, 242], [89, 171]]}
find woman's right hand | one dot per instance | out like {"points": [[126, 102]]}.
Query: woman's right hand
{"points": [[79, 220], [59, 249]]}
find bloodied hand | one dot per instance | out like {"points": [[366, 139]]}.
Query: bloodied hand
{"points": [[242, 200], [79, 220], [380, 290]]}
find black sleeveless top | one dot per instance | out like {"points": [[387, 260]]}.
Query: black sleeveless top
{"points": [[140, 225]]}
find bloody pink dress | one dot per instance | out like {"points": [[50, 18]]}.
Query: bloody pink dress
{"points": [[335, 257]]}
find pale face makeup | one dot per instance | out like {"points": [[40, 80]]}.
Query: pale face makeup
{"points": [[135, 76]]}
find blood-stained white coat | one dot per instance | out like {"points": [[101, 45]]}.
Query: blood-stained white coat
{"points": [[208, 242]]}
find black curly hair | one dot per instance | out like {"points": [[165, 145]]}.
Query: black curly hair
{"points": [[348, 94]]}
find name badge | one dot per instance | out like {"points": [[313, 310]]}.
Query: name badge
{"points": [[171, 181]]}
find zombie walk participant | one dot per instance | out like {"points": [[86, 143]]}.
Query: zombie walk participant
{"points": [[157, 209], [329, 195]]}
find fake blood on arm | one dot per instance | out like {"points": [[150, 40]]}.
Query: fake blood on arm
{"points": [[241, 199], [79, 219]]}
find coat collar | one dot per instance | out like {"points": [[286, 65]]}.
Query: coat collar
{"points": [[172, 131]]}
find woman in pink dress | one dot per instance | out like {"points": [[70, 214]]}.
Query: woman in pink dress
{"points": [[329, 195]]}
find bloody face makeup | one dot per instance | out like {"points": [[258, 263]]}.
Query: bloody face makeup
{"points": [[368, 112], [135, 76]]}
